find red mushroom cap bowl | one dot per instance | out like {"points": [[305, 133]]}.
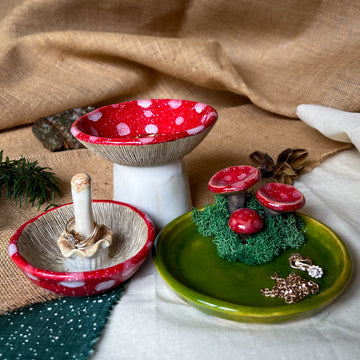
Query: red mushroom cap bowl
{"points": [[280, 197], [145, 132], [34, 249], [234, 179]]}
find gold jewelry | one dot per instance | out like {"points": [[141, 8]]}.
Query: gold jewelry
{"points": [[299, 262], [76, 240], [292, 289]]}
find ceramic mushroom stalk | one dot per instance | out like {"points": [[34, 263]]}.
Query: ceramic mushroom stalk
{"points": [[81, 195], [245, 222], [233, 182], [278, 198], [84, 243]]}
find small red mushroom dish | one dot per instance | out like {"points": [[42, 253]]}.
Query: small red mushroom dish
{"points": [[245, 222], [233, 183], [278, 197]]}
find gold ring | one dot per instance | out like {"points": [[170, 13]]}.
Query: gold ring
{"points": [[77, 241]]}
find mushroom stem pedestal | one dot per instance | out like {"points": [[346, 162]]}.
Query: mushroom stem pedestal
{"points": [[270, 213], [163, 191], [236, 201]]}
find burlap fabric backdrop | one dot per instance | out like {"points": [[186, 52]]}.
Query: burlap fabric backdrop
{"points": [[254, 61]]}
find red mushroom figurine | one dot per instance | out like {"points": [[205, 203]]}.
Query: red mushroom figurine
{"points": [[245, 222], [233, 183], [278, 197]]}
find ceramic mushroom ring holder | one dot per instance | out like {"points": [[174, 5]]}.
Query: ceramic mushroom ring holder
{"points": [[85, 247], [146, 140]]}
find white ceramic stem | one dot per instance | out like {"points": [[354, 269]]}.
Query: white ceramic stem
{"points": [[81, 195], [162, 192]]}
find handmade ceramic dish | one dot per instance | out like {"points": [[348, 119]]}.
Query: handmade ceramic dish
{"points": [[146, 140], [34, 248], [189, 263], [145, 132]]}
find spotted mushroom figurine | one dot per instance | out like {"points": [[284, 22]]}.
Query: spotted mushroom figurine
{"points": [[245, 222], [233, 182], [278, 198], [84, 243]]}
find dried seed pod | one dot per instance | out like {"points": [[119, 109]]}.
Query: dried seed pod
{"points": [[289, 163], [284, 155], [265, 163], [294, 157], [298, 158], [284, 173]]}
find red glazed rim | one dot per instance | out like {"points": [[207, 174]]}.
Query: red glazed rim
{"points": [[233, 179], [144, 122], [112, 275], [280, 197]]}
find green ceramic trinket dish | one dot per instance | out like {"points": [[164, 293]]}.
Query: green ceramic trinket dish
{"points": [[189, 263]]}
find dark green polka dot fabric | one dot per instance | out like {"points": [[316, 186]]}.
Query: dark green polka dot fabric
{"points": [[65, 328]]}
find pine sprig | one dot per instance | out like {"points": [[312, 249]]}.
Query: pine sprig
{"points": [[27, 182]]}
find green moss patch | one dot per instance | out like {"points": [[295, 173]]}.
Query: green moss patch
{"points": [[278, 234]]}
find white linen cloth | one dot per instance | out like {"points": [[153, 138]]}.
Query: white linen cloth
{"points": [[335, 124], [151, 322]]}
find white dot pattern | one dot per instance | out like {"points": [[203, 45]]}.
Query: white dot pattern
{"points": [[123, 129], [144, 103], [151, 129], [179, 120], [95, 116], [12, 249], [148, 113], [105, 285], [199, 107], [174, 104], [72, 284]]}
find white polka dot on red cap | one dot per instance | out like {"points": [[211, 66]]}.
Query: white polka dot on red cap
{"points": [[179, 120], [174, 104], [144, 103], [151, 129], [123, 129]]}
